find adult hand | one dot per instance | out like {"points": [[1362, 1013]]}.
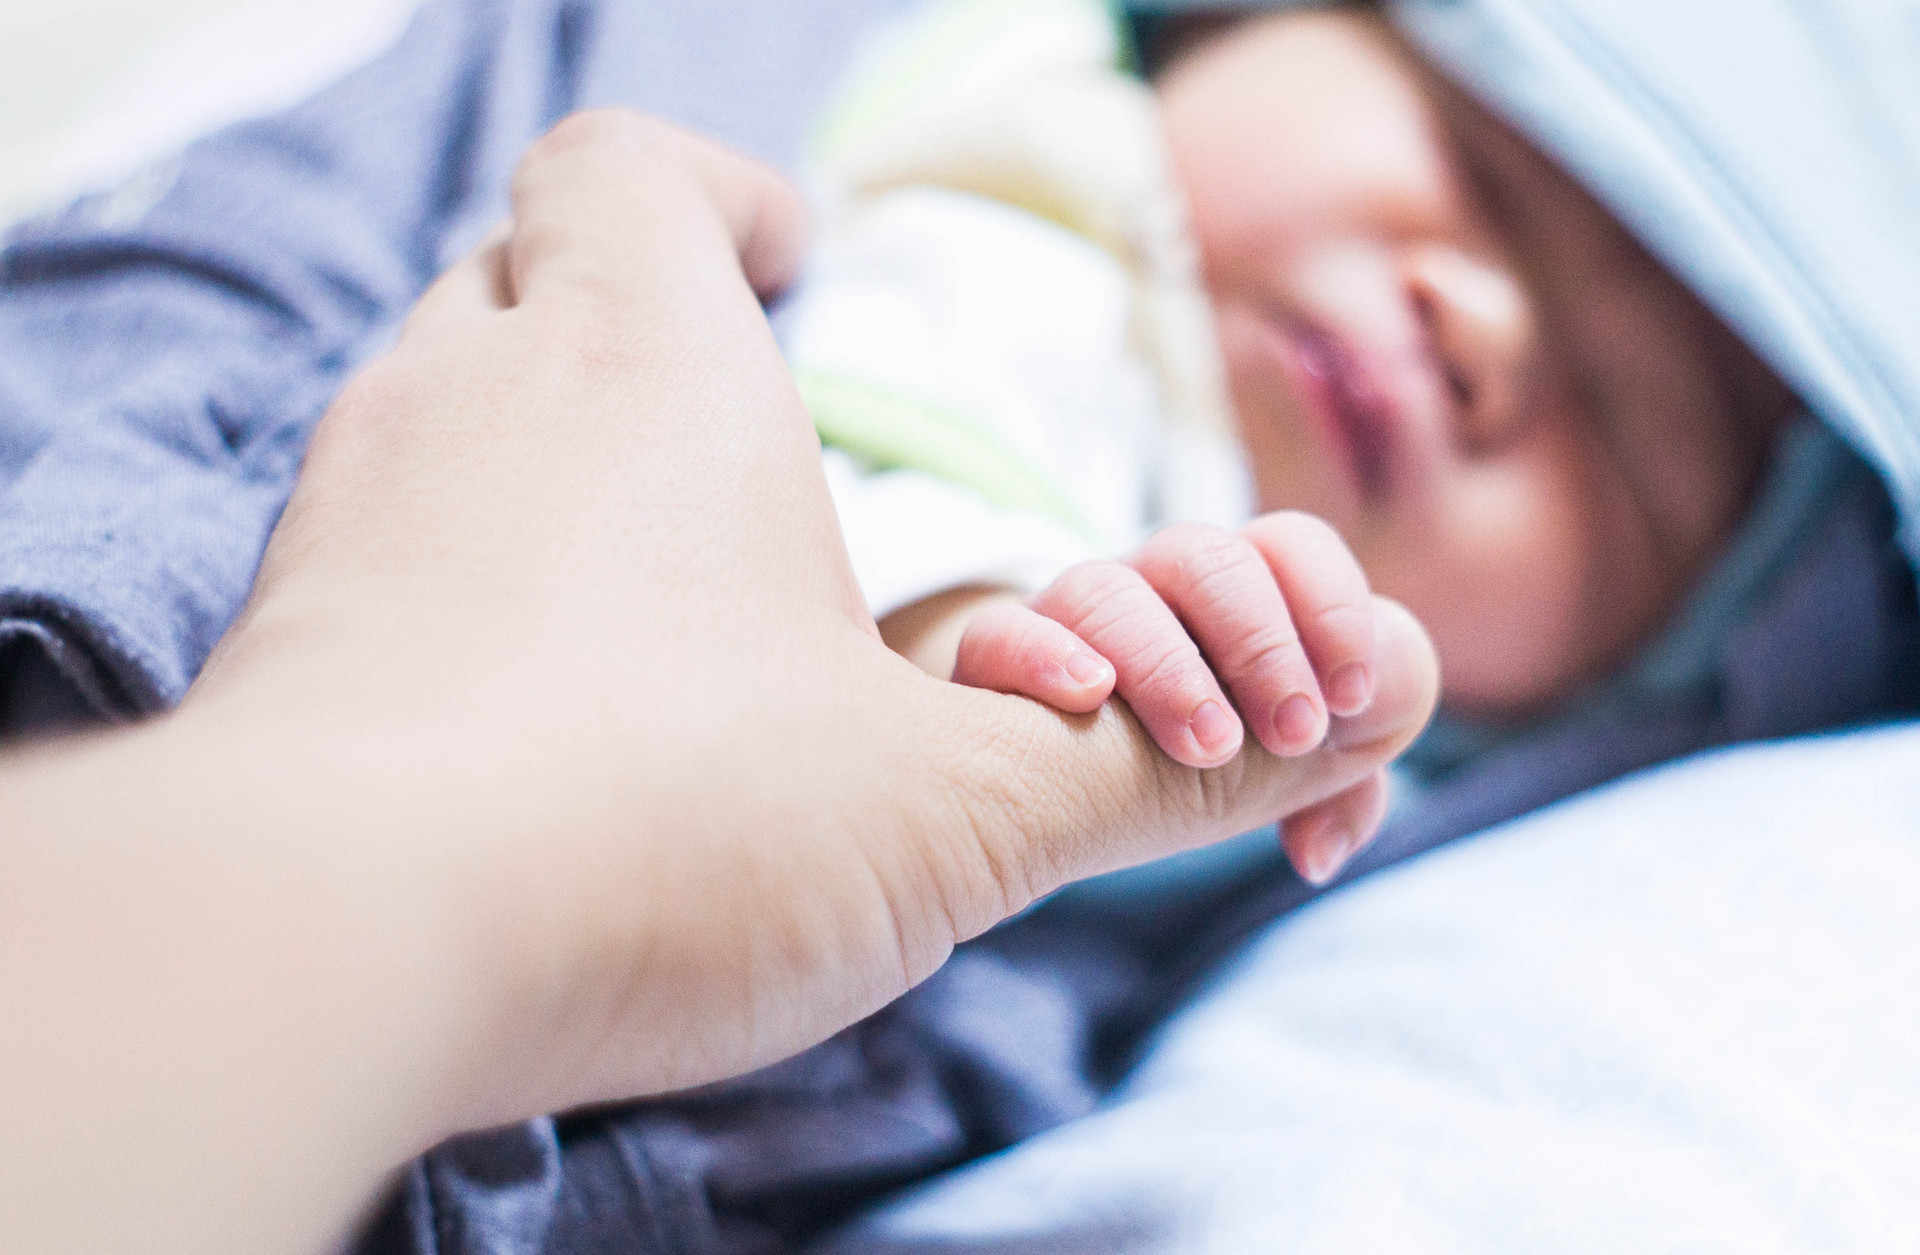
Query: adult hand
{"points": [[556, 758]]}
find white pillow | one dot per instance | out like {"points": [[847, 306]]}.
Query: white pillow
{"points": [[1680, 1014]]}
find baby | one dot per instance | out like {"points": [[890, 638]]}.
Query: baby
{"points": [[1455, 379]]}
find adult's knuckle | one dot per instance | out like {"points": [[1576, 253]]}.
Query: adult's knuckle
{"points": [[377, 415], [589, 331], [593, 311], [1203, 801], [600, 128], [999, 868], [596, 140], [374, 400]]}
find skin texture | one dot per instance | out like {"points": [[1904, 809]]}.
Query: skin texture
{"points": [[1528, 432], [555, 759]]}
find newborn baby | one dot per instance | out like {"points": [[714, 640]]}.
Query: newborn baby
{"points": [[1429, 337]]}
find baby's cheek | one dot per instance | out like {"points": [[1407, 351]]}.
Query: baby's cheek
{"points": [[1504, 579]]}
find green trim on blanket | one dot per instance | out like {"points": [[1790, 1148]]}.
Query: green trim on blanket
{"points": [[893, 430]]}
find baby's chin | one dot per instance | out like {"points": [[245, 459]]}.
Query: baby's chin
{"points": [[1509, 648], [1515, 675]]}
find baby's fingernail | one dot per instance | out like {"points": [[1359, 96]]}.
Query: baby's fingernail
{"points": [[1212, 729], [1296, 724], [1086, 670], [1350, 689]]}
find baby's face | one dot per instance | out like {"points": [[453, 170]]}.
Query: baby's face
{"points": [[1530, 434]]}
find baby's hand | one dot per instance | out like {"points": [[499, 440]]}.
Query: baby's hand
{"points": [[1200, 629], [1279, 613]]}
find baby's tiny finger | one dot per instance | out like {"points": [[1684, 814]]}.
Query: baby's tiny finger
{"points": [[1161, 673], [1331, 603], [1010, 649], [1223, 590], [1323, 838]]}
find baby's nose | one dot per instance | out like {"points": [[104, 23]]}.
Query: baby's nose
{"points": [[1480, 324]]}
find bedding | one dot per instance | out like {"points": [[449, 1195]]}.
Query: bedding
{"points": [[1677, 1014]]}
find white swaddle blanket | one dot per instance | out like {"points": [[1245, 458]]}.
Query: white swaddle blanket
{"points": [[1001, 334]]}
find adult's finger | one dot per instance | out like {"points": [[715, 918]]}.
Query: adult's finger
{"points": [[764, 212], [1330, 601], [1222, 589], [595, 197]]}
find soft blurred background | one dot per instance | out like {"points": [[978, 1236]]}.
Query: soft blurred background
{"points": [[57, 55], [91, 91]]}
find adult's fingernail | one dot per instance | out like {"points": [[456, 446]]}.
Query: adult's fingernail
{"points": [[1349, 690], [1086, 670], [1296, 724], [1212, 728]]}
